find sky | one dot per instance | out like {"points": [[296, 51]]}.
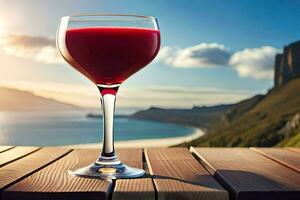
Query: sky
{"points": [[216, 51]]}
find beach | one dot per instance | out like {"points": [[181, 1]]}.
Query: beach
{"points": [[146, 143]]}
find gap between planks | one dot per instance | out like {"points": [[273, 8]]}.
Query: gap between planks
{"points": [[138, 188], [16, 171], [178, 175], [53, 181], [249, 175], [5, 148], [282, 156], [16, 153]]}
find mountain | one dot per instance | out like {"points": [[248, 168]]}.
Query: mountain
{"points": [[18, 100], [203, 117], [265, 123]]}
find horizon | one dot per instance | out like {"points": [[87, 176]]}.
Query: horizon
{"points": [[209, 68]]}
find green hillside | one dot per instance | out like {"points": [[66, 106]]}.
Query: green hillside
{"points": [[294, 141], [260, 123]]}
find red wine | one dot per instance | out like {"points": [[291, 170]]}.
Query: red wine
{"points": [[109, 55]]}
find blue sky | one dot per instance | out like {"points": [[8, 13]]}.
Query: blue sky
{"points": [[239, 29]]}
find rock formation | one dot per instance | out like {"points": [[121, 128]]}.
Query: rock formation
{"points": [[287, 64]]}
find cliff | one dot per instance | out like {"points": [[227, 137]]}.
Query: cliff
{"points": [[287, 64]]}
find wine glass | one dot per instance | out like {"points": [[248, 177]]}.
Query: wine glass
{"points": [[107, 49]]}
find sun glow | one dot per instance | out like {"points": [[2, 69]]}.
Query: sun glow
{"points": [[2, 27]]}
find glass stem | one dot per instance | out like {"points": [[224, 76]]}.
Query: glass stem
{"points": [[108, 100]]}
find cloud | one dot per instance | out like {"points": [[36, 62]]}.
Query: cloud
{"points": [[250, 62], [192, 90], [199, 56], [38, 48], [173, 96], [256, 62]]}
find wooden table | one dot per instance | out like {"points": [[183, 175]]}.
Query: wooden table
{"points": [[173, 173]]}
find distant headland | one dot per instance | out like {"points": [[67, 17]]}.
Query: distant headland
{"points": [[18, 100]]}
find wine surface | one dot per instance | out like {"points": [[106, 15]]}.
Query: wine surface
{"points": [[109, 55]]}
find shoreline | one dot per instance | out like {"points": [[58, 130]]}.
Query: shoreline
{"points": [[146, 143]]}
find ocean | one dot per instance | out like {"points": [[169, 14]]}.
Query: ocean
{"points": [[73, 127]]}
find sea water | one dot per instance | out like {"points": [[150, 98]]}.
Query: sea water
{"points": [[73, 127]]}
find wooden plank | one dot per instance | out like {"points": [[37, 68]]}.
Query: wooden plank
{"points": [[14, 154], [5, 148], [17, 170], [54, 182], [283, 156], [140, 188], [249, 175], [131, 189], [297, 150], [132, 157], [177, 175]]}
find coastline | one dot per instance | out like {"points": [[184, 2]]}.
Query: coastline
{"points": [[146, 143]]}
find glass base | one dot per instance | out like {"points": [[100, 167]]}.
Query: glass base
{"points": [[107, 171]]}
